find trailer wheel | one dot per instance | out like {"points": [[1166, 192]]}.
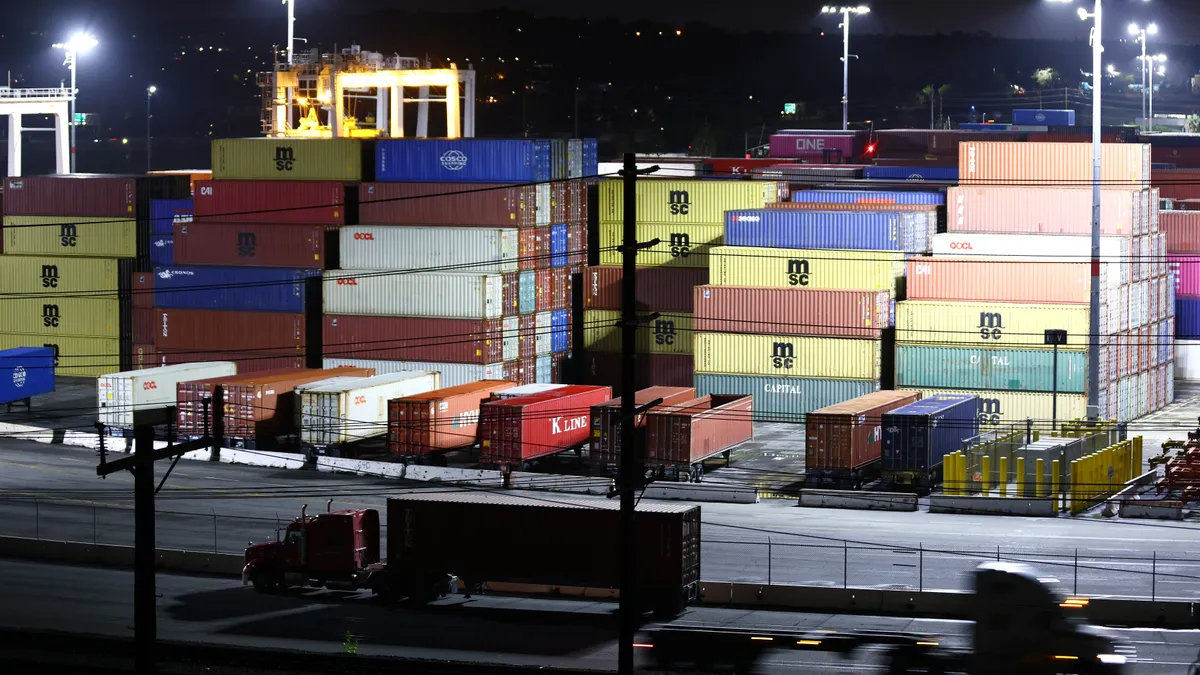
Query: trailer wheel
{"points": [[267, 581]]}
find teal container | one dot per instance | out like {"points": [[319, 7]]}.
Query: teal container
{"points": [[784, 399], [528, 292], [995, 369]]}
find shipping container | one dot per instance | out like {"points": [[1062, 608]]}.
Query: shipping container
{"points": [[463, 160], [25, 372], [684, 435], [142, 290], [666, 289], [1182, 229], [524, 428], [668, 370], [443, 419], [1177, 183], [842, 441], [1010, 409], [543, 291], [544, 369], [162, 250], [94, 237], [576, 244], [1187, 318], [604, 448], [790, 356], [1002, 369], [43, 276], [682, 245], [178, 330], [255, 245], [558, 245], [803, 175], [450, 249], [1173, 158], [1185, 270], [917, 437], [560, 327], [998, 279], [807, 268], [882, 197], [453, 374], [292, 159], [131, 398], [394, 338], [1115, 252], [91, 195], [870, 230], [1064, 118], [166, 213], [989, 323], [783, 311], [449, 295], [246, 289], [1063, 209], [68, 316], [248, 362], [341, 411], [686, 202], [947, 174], [459, 204], [827, 147], [1052, 163], [528, 292], [276, 201], [77, 356], [668, 333]]}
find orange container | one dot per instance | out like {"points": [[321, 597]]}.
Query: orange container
{"points": [[1052, 164], [1044, 210], [439, 420], [997, 279], [1183, 230]]}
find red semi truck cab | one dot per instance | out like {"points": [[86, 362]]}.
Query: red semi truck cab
{"points": [[336, 549]]}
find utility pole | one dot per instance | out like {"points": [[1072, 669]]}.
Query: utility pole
{"points": [[932, 93], [630, 455]]}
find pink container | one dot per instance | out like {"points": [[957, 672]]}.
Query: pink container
{"points": [[1041, 210], [1053, 164], [944, 278], [815, 146], [1185, 269]]}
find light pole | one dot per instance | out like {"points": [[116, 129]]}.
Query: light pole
{"points": [[1162, 70], [291, 9], [1140, 36], [149, 92], [77, 43], [845, 26]]}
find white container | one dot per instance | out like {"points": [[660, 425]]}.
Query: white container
{"points": [[453, 374], [342, 410], [527, 389], [542, 369], [445, 295], [1170, 383], [483, 250], [542, 333], [142, 396], [1114, 251]]}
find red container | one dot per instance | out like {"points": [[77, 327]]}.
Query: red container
{"points": [[576, 202], [659, 289], [559, 201], [443, 419], [265, 406], [143, 325], [576, 244], [1182, 158], [528, 335], [521, 371], [143, 290], [252, 245], [524, 428], [784, 311], [511, 292], [1176, 183], [89, 195], [397, 338], [527, 246], [671, 370], [560, 288], [485, 204], [1183, 230], [247, 362], [725, 167], [273, 201], [545, 291], [605, 446], [690, 432], [845, 438], [543, 249], [269, 333]]}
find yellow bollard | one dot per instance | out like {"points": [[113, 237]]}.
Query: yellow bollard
{"points": [[1039, 467], [1073, 489], [1021, 477], [1002, 477], [948, 473], [964, 474], [1137, 456], [985, 475], [1055, 482]]}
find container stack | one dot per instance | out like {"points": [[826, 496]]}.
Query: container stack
{"points": [[1182, 230], [1015, 264], [463, 260], [72, 245]]}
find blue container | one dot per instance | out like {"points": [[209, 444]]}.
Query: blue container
{"points": [[26, 372], [560, 324], [862, 230], [162, 250], [1157, 166], [591, 158], [465, 160], [916, 436], [527, 293], [558, 245], [913, 173], [242, 289], [164, 213], [881, 197], [1187, 318], [1058, 118]]}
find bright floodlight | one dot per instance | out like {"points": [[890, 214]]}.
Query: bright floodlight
{"points": [[1083, 14], [151, 89], [860, 9], [1133, 29], [1112, 70], [1159, 57], [1152, 29], [1162, 70], [78, 43]]}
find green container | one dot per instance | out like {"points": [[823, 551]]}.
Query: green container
{"points": [[994, 369], [784, 399]]}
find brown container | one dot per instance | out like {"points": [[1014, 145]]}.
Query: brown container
{"points": [[528, 329], [190, 397], [269, 333], [527, 245], [511, 291], [264, 406], [558, 367], [143, 325], [274, 201], [90, 195], [543, 259], [843, 439], [660, 289], [143, 290], [576, 201], [576, 244], [688, 433], [253, 244], [559, 201], [443, 419], [604, 448], [545, 291], [669, 370], [481, 204], [521, 371], [1176, 183], [143, 356], [786, 311], [395, 338], [560, 288]]}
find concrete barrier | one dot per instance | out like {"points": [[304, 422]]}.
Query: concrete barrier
{"points": [[857, 499], [1155, 509], [521, 480], [993, 506], [700, 492], [483, 478], [1142, 613], [112, 555]]}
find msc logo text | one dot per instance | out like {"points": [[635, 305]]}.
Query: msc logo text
{"points": [[681, 245], [989, 411], [285, 158], [50, 316], [246, 241], [783, 355], [49, 276], [678, 202], [68, 235], [798, 272], [664, 332], [990, 325]]}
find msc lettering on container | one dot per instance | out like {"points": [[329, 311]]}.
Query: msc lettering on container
{"points": [[69, 235], [989, 411], [798, 272], [50, 316], [783, 355], [664, 332], [679, 202], [990, 325], [681, 244], [49, 276], [285, 158]]}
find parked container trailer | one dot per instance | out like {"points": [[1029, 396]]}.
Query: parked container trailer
{"points": [[965, 278], [524, 428], [682, 245], [1063, 209], [931, 197], [1052, 163], [917, 436], [212, 330], [76, 356], [870, 230], [413, 338], [807, 268], [443, 419], [680, 437], [166, 213], [1012, 408], [448, 295], [95, 237], [468, 249], [255, 245], [464, 160], [666, 289], [936, 367], [787, 355], [458, 204], [669, 333], [254, 289], [25, 372], [989, 323], [453, 374], [807, 174], [690, 202], [276, 201], [782, 311], [293, 159], [604, 448], [68, 316], [345, 410], [90, 195], [842, 441], [672, 370], [127, 399]]}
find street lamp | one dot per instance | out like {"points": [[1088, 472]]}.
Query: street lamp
{"points": [[1112, 70], [1140, 36], [149, 92], [1162, 70], [80, 42], [845, 26], [291, 9]]}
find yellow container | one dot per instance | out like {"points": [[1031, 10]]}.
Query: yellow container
{"points": [[670, 333], [834, 358], [693, 202], [57, 235], [680, 245], [63, 316], [808, 269], [988, 324], [75, 356], [290, 158], [42, 275], [1014, 407]]}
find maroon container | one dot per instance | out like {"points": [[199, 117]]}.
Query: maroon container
{"points": [[605, 446], [143, 290], [576, 202], [545, 291], [528, 335], [845, 437], [576, 244], [143, 356], [1176, 183], [560, 288], [667, 370], [558, 202], [817, 146], [1182, 158], [527, 245], [558, 367], [784, 311], [89, 195], [485, 204], [252, 245], [247, 362], [272, 201], [271, 333], [660, 289], [143, 325], [543, 249], [512, 293], [691, 432], [523, 428], [414, 339], [522, 371]]}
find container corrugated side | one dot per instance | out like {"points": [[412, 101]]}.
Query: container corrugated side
{"points": [[255, 245], [66, 316], [357, 409], [688, 433], [25, 372], [786, 311], [309, 159], [162, 250], [527, 427], [807, 268], [859, 230], [786, 355], [252, 289], [450, 295], [120, 397], [666, 289], [463, 160], [1013, 408], [89, 195], [784, 399], [670, 370], [681, 245], [1115, 252], [275, 201], [277, 333], [469, 249], [413, 338], [988, 323], [75, 356], [692, 202], [669, 333], [92, 237], [1182, 229], [846, 437], [1052, 163], [959, 278], [443, 419], [453, 374], [881, 197], [604, 448], [165, 213], [980, 368], [459, 204], [42, 275], [1040, 210], [919, 435]]}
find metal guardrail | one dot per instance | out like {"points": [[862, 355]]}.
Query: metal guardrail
{"points": [[36, 92]]}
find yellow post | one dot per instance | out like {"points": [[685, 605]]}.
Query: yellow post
{"points": [[964, 473], [1002, 477], [1020, 476], [985, 474], [1039, 468], [1073, 489], [948, 473], [1137, 456], [1055, 482]]}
